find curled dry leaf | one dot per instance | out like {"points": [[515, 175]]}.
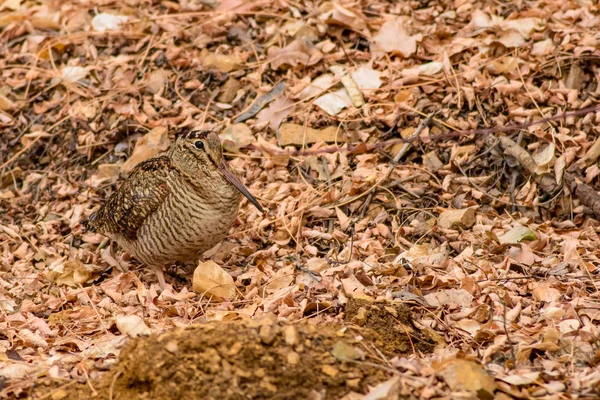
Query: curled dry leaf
{"points": [[544, 158]]}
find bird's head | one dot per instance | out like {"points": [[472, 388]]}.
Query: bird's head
{"points": [[202, 149]]}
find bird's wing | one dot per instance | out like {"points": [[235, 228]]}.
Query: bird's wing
{"points": [[137, 199]]}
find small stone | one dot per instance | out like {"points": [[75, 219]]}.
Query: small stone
{"points": [[260, 373], [392, 311], [172, 347], [361, 317], [267, 334], [235, 349], [59, 394], [330, 371], [243, 374], [290, 335], [353, 383], [268, 385], [344, 352], [293, 358]]}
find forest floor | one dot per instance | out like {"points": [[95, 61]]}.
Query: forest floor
{"points": [[427, 170]]}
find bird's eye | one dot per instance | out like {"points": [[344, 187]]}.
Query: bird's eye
{"points": [[199, 145]]}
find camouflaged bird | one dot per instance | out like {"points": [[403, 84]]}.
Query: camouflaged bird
{"points": [[175, 205]]}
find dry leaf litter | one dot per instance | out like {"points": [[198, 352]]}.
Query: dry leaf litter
{"points": [[472, 268]]}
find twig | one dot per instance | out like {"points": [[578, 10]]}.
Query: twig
{"points": [[112, 384], [328, 176], [395, 161], [512, 349], [514, 176]]}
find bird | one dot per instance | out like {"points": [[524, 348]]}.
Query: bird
{"points": [[173, 206]]}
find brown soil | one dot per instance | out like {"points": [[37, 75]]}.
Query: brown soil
{"points": [[258, 359], [390, 326]]}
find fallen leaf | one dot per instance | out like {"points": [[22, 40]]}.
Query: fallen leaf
{"points": [[517, 234], [299, 52], [299, 135], [212, 280], [222, 62], [236, 136], [334, 102], [149, 145], [108, 22], [464, 375], [73, 74], [132, 325], [393, 38], [276, 112], [457, 219]]}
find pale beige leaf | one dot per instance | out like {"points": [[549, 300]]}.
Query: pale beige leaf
{"points": [[393, 38], [151, 144], [132, 325], [212, 280]]}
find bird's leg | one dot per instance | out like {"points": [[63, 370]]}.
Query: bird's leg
{"points": [[158, 270]]}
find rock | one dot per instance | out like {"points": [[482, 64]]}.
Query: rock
{"points": [[293, 358], [457, 219], [267, 333], [290, 335], [344, 352], [330, 371]]}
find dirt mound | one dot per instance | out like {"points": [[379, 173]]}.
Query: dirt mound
{"points": [[390, 327], [260, 359]]}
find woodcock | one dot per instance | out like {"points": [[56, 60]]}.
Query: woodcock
{"points": [[175, 205]]}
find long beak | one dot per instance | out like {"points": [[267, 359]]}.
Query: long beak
{"points": [[239, 186]]}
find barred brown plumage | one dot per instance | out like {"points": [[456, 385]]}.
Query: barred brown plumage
{"points": [[173, 206]]}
